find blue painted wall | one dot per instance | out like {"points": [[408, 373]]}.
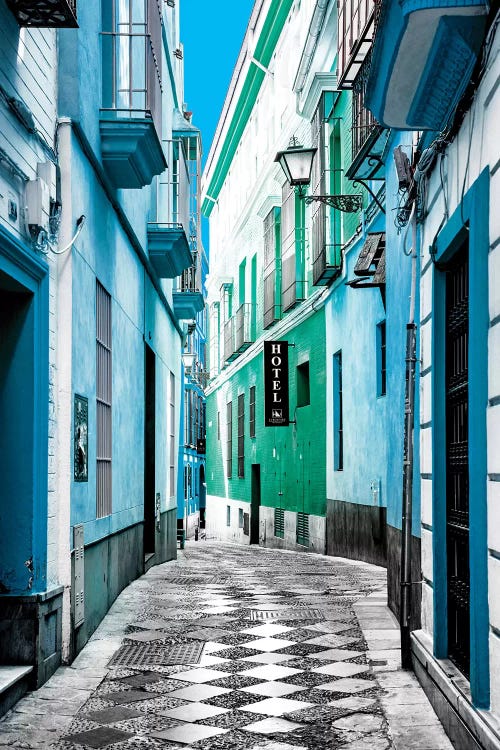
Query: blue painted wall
{"points": [[373, 425]]}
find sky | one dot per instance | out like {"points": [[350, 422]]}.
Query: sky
{"points": [[212, 34]]}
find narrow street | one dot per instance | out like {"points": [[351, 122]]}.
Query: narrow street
{"points": [[237, 647]]}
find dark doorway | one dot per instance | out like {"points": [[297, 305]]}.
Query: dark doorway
{"points": [[203, 496], [17, 436], [149, 450], [255, 514], [457, 459]]}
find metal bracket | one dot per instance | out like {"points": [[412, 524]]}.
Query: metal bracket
{"points": [[358, 181], [348, 203]]}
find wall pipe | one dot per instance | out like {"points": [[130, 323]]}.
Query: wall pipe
{"points": [[407, 507]]}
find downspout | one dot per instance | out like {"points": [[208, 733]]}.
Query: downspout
{"points": [[313, 35], [406, 518]]}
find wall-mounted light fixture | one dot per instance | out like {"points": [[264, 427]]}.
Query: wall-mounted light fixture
{"points": [[297, 162]]}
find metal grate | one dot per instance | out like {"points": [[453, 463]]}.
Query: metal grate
{"points": [[252, 411], [157, 654], [241, 435], [103, 402], [303, 529], [457, 459], [279, 522], [296, 613]]}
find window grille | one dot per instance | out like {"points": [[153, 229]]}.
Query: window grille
{"points": [[355, 35], [363, 122], [103, 402], [241, 435], [229, 439], [252, 411], [303, 529], [326, 179], [131, 54], [338, 412], [272, 267], [279, 522], [172, 436]]}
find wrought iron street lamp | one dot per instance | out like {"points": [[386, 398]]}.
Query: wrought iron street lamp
{"points": [[188, 359], [297, 162]]}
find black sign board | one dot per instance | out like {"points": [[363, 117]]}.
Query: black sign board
{"points": [[276, 383]]}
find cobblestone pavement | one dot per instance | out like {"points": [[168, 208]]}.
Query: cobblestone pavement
{"points": [[232, 648]]}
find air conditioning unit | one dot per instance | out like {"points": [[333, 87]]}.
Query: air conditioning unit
{"points": [[37, 205]]}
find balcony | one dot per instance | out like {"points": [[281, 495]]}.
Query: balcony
{"points": [[424, 53], [243, 333], [230, 352], [355, 34], [130, 121], [326, 245], [45, 14], [168, 249], [369, 138], [188, 299]]}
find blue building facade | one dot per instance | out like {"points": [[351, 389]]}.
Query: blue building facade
{"points": [[432, 76], [94, 296]]}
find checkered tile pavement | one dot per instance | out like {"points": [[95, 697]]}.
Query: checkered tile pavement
{"points": [[283, 664]]}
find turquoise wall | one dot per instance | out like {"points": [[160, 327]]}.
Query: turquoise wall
{"points": [[292, 459]]}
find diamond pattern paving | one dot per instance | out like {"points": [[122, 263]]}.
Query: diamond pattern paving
{"points": [[276, 706], [254, 655]]}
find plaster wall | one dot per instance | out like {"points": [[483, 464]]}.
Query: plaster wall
{"points": [[474, 149], [28, 70]]}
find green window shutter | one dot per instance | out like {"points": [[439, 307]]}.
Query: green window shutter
{"points": [[303, 529]]}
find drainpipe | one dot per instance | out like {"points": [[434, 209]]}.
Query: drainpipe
{"points": [[313, 35], [406, 520]]}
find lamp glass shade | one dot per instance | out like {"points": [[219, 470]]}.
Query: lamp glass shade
{"points": [[188, 360], [296, 162]]}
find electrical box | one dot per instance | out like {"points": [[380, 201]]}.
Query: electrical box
{"points": [[37, 204], [47, 171], [78, 588]]}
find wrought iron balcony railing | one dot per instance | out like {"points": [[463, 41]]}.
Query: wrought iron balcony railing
{"points": [[131, 80], [56, 14], [229, 349]]}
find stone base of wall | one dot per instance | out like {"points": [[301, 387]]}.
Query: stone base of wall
{"points": [[394, 575], [30, 633], [317, 531], [217, 527], [113, 563], [447, 690], [357, 532]]}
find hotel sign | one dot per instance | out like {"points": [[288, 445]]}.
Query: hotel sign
{"points": [[276, 383]]}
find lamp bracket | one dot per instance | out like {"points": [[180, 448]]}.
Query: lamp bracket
{"points": [[348, 203], [359, 181]]}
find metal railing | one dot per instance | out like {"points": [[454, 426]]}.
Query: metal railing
{"points": [[363, 122], [131, 76], [189, 281], [229, 349], [243, 327]]}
